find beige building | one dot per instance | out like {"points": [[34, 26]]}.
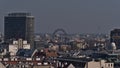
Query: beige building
{"points": [[90, 64], [71, 66], [99, 64], [1, 65], [18, 44], [42, 66]]}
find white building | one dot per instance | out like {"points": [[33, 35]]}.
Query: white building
{"points": [[18, 44]]}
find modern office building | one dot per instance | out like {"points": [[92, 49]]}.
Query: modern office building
{"points": [[19, 25], [115, 37]]}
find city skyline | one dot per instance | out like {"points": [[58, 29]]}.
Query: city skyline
{"points": [[72, 16]]}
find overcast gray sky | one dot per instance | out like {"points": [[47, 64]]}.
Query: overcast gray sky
{"points": [[75, 16]]}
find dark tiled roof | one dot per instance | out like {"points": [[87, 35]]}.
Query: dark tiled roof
{"points": [[25, 52]]}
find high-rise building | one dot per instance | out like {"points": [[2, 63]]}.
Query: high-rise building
{"points": [[115, 37], [19, 25]]}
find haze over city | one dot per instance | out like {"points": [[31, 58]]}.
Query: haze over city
{"points": [[59, 34], [75, 16]]}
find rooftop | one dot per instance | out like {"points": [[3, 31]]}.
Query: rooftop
{"points": [[19, 14]]}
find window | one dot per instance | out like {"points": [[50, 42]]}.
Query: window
{"points": [[111, 65], [108, 65]]}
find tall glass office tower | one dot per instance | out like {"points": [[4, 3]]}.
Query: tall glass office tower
{"points": [[19, 25]]}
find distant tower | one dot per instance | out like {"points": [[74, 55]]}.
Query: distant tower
{"points": [[115, 37], [19, 25], [113, 47]]}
